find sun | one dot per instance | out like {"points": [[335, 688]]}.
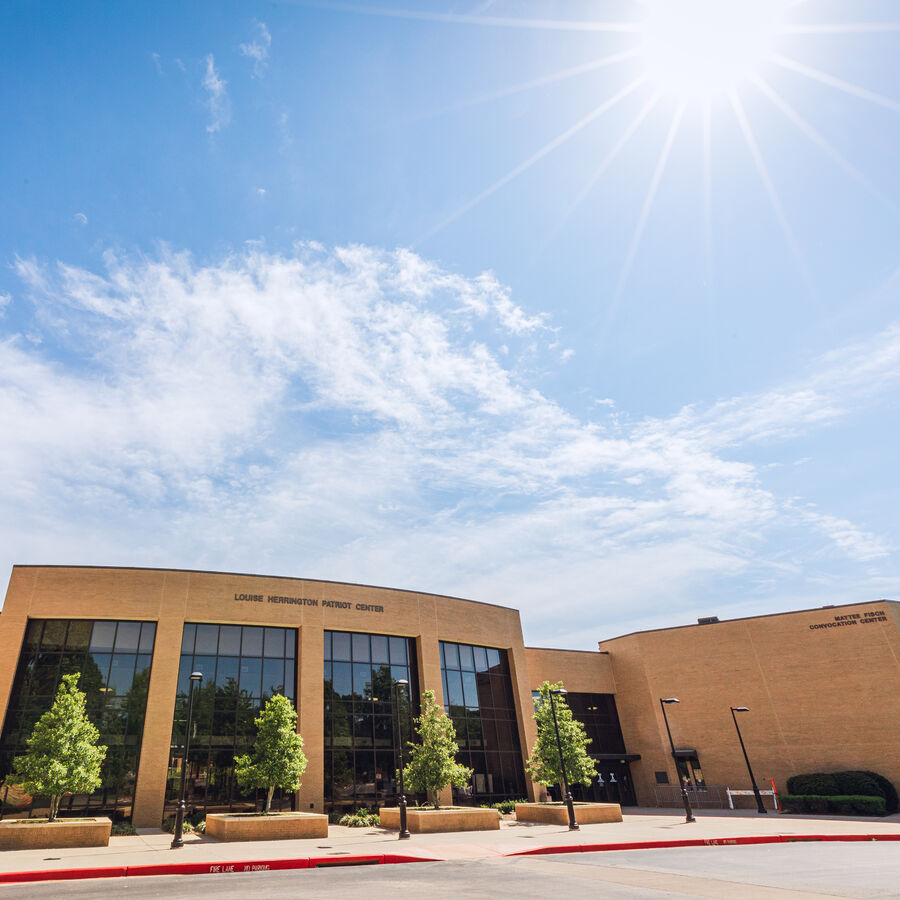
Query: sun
{"points": [[695, 50]]}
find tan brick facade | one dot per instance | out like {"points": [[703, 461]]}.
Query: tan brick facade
{"points": [[823, 694]]}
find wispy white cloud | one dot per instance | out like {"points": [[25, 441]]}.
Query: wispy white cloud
{"points": [[258, 47], [80, 218], [366, 415], [217, 100]]}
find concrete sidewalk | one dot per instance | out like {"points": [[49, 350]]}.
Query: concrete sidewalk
{"points": [[640, 827]]}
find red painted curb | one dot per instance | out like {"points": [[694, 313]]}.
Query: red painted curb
{"points": [[271, 865], [63, 874], [217, 868], [705, 842]]}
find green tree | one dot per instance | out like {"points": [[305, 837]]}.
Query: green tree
{"points": [[432, 765], [277, 759], [544, 765], [63, 755]]}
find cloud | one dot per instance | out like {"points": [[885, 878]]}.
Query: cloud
{"points": [[217, 100], [157, 64], [351, 414], [81, 218], [258, 48]]}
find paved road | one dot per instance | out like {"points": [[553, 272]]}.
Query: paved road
{"points": [[771, 872]]}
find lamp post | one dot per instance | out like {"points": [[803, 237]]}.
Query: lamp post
{"points": [[759, 803], [178, 839], [573, 825], [404, 831], [688, 813]]}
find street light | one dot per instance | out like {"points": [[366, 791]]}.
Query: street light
{"points": [[688, 814], [573, 825], [178, 840], [404, 831], [759, 804]]}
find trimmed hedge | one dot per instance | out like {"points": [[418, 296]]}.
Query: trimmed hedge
{"points": [[842, 805], [888, 791], [817, 784], [842, 784]]}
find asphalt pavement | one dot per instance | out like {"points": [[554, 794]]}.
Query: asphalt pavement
{"points": [[766, 872]]}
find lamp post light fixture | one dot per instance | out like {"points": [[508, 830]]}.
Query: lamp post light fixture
{"points": [[688, 813], [573, 825], [178, 839], [404, 831], [759, 803]]}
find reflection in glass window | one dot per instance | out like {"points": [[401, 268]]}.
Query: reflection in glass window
{"points": [[478, 698], [242, 667], [361, 718], [115, 679]]}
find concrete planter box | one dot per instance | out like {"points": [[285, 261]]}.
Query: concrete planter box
{"points": [[39, 834], [558, 814], [451, 818], [273, 827]]}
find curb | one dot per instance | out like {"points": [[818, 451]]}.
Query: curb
{"points": [[317, 862], [706, 842]]}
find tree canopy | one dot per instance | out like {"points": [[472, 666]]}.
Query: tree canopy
{"points": [[277, 760], [63, 755], [544, 766], [432, 765]]}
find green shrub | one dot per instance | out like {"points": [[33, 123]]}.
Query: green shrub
{"points": [[362, 818], [507, 806], [123, 828], [804, 803], [857, 784], [169, 825], [848, 783], [888, 791], [841, 804], [817, 784]]}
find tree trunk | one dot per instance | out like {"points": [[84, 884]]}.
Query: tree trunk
{"points": [[269, 800], [54, 806], [435, 797]]}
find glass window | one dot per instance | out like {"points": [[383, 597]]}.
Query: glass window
{"points": [[115, 685], [273, 676], [148, 632], [361, 714], [340, 646], [479, 697], [399, 651], [251, 676], [79, 636], [187, 639], [225, 706], [380, 649], [273, 645], [361, 648], [252, 641], [342, 679], [127, 637], [207, 639], [230, 640], [103, 637], [451, 652]]}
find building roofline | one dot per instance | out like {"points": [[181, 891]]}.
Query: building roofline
{"points": [[789, 612], [258, 575], [566, 650]]}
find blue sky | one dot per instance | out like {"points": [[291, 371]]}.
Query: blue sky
{"points": [[563, 306]]}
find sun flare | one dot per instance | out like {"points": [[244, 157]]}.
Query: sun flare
{"points": [[699, 49]]}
